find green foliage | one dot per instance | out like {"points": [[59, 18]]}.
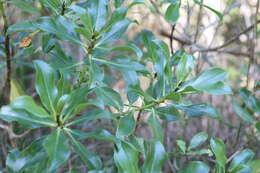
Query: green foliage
{"points": [[72, 92]]}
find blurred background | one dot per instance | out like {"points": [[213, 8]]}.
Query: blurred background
{"points": [[232, 44]]}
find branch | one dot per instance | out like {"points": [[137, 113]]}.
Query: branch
{"points": [[230, 40], [198, 23], [7, 87], [180, 40], [11, 134]]}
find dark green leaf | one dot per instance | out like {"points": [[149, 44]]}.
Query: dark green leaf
{"points": [[241, 158], [115, 32], [197, 110], [75, 102], [126, 125], [21, 26], [172, 14], [184, 67], [219, 150], [27, 103], [155, 157], [45, 85], [125, 65], [182, 145], [18, 161], [129, 48], [25, 6], [198, 140], [56, 146], [48, 42], [23, 117], [157, 129], [126, 158], [98, 10], [92, 161], [210, 81], [53, 5], [196, 167], [107, 96], [242, 113], [250, 100], [93, 114], [100, 135], [59, 26], [168, 113]]}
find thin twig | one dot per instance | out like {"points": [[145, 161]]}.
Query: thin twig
{"points": [[11, 133], [230, 40], [171, 38], [180, 40], [252, 44], [138, 121], [198, 23]]}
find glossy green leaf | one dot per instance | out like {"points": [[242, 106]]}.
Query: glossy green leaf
{"points": [[8, 113], [25, 6], [126, 125], [92, 161], [75, 102], [45, 84], [60, 26], [250, 100], [184, 67], [107, 96], [242, 112], [168, 113], [210, 81], [97, 75], [125, 65], [60, 60], [98, 10], [126, 158], [23, 26], [49, 41], [172, 13], [219, 150], [137, 142], [129, 48], [52, 5], [243, 169], [93, 114], [201, 152], [18, 161], [155, 157], [56, 146], [100, 135], [27, 103], [156, 127], [196, 167], [182, 145], [115, 32], [242, 157], [211, 9], [197, 110], [198, 140]]}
